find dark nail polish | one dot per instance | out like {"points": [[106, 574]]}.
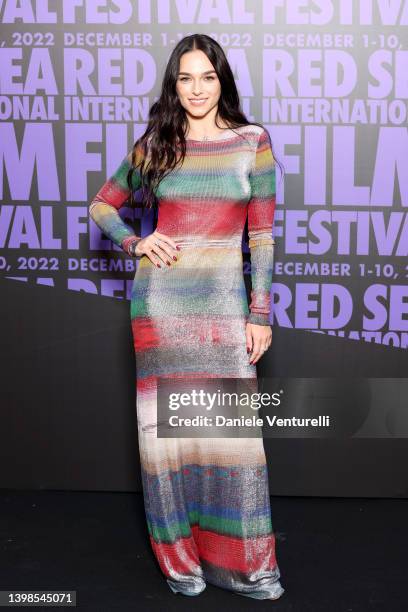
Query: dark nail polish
{"points": [[158, 265], [177, 247], [175, 258], [167, 262]]}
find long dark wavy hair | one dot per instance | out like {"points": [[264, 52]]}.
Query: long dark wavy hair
{"points": [[167, 123]]}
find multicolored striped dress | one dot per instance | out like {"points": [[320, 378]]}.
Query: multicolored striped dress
{"points": [[206, 499]]}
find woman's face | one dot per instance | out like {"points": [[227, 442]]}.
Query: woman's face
{"points": [[198, 86]]}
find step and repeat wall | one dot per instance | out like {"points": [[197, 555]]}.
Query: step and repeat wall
{"points": [[329, 80]]}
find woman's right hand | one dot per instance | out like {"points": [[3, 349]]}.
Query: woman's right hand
{"points": [[159, 248]]}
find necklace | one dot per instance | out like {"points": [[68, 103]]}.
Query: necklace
{"points": [[207, 138], [202, 138]]}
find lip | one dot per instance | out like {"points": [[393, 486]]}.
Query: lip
{"points": [[198, 99]]}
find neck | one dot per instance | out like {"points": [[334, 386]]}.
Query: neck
{"points": [[205, 134]]}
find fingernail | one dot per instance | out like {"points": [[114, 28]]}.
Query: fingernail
{"points": [[158, 265], [248, 349], [167, 262], [178, 248], [175, 258]]}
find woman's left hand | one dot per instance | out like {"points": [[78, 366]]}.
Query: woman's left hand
{"points": [[258, 340]]}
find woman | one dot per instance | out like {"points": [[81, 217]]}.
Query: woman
{"points": [[207, 500]]}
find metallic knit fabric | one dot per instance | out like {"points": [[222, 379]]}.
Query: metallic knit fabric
{"points": [[206, 499]]}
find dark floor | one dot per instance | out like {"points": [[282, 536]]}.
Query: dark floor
{"points": [[334, 554]]}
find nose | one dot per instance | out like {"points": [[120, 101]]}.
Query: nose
{"points": [[197, 88]]}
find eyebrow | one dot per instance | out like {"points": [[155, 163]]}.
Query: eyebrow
{"points": [[207, 72]]}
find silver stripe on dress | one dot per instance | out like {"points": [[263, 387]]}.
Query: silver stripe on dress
{"points": [[210, 242]]}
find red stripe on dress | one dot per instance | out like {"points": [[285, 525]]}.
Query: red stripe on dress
{"points": [[181, 556], [243, 555]]}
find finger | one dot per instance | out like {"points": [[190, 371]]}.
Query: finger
{"points": [[154, 259], [255, 351], [254, 357], [167, 248], [151, 252], [169, 241], [248, 335], [161, 253], [266, 342]]}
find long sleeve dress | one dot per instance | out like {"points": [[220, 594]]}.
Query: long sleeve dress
{"points": [[206, 500]]}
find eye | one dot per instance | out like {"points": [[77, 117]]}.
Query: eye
{"points": [[211, 78]]}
